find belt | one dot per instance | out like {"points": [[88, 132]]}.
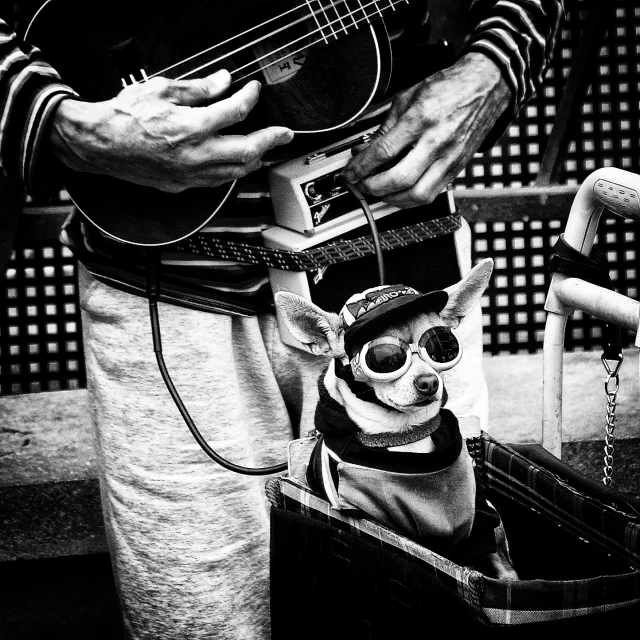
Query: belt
{"points": [[318, 257]]}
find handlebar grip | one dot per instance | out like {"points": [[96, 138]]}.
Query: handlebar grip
{"points": [[616, 189]]}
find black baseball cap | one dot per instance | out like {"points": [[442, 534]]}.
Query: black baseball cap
{"points": [[365, 314]]}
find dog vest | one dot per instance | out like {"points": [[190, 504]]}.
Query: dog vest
{"points": [[429, 497]]}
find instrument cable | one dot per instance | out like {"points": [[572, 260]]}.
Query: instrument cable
{"points": [[153, 293], [364, 205]]}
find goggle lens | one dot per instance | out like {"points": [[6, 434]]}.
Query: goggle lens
{"points": [[385, 358], [389, 355], [441, 344]]}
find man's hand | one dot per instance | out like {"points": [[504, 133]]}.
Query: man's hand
{"points": [[165, 134], [431, 132]]}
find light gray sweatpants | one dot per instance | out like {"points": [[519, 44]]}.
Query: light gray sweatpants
{"points": [[188, 539]]}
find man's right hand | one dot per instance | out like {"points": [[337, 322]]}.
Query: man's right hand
{"points": [[165, 133]]}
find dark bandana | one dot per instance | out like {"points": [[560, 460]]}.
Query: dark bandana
{"points": [[331, 419]]}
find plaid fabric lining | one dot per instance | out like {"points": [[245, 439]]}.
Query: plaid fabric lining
{"points": [[299, 499], [524, 601], [529, 601], [512, 475]]}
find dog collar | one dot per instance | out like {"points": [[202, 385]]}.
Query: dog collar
{"points": [[414, 433]]}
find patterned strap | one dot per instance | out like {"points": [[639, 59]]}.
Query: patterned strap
{"points": [[333, 253]]}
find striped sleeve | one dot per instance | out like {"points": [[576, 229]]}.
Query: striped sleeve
{"points": [[30, 91], [519, 36]]}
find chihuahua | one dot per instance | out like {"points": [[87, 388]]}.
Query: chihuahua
{"points": [[388, 447]]}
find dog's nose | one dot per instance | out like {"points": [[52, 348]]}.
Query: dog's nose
{"points": [[427, 384]]}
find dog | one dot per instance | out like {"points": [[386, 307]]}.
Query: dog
{"points": [[388, 446]]}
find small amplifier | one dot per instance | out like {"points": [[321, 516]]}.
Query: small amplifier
{"points": [[304, 193], [426, 265]]}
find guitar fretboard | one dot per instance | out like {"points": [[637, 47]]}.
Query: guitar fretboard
{"points": [[336, 18]]}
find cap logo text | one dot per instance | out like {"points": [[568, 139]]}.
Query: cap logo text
{"points": [[374, 299]]}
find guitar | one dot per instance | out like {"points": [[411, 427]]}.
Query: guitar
{"points": [[322, 64]]}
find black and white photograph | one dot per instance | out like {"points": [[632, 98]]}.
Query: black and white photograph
{"points": [[319, 319]]}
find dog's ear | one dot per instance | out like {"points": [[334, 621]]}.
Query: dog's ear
{"points": [[321, 332], [464, 295]]}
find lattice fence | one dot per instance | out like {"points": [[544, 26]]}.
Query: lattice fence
{"points": [[609, 128], [609, 135], [513, 307], [40, 337], [40, 331]]}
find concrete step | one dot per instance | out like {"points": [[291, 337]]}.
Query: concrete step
{"points": [[64, 598], [515, 397], [49, 497], [49, 494]]}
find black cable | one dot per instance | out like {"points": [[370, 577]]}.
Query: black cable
{"points": [[364, 205], [153, 290]]}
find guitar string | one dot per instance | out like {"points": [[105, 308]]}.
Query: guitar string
{"points": [[208, 64], [351, 13], [287, 55], [316, 19], [299, 7], [392, 4], [306, 46], [219, 44], [267, 55]]}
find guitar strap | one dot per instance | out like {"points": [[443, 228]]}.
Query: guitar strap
{"points": [[318, 257]]}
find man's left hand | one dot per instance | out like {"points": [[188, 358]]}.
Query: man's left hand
{"points": [[431, 132]]}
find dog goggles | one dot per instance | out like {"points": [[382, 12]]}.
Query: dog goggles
{"points": [[388, 358]]}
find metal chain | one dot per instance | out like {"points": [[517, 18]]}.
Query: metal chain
{"points": [[611, 392]]}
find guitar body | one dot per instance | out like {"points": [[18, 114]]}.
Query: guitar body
{"points": [[315, 78]]}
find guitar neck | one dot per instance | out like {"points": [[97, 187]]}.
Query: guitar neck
{"points": [[337, 18]]}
